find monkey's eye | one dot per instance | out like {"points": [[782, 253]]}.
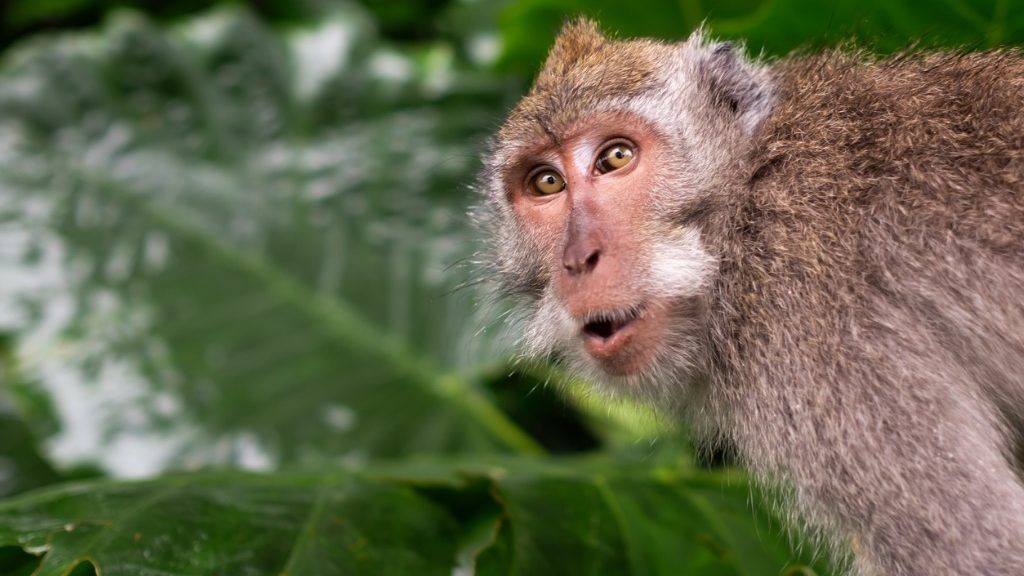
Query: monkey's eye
{"points": [[614, 157], [548, 182]]}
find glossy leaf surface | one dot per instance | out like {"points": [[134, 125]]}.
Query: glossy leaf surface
{"points": [[517, 516], [209, 255]]}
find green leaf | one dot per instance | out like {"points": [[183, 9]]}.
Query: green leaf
{"points": [[234, 525], [210, 255], [20, 13], [529, 26], [775, 27], [577, 517], [881, 26], [21, 466], [16, 562]]}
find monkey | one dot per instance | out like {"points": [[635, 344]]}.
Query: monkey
{"points": [[818, 258]]}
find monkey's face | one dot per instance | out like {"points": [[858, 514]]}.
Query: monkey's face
{"points": [[620, 280], [600, 188]]}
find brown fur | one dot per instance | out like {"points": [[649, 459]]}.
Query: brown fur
{"points": [[583, 69], [871, 304], [863, 336]]}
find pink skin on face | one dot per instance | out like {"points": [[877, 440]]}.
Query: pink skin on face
{"points": [[593, 233]]}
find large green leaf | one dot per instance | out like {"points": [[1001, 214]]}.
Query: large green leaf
{"points": [[226, 244], [498, 517], [21, 466], [774, 27]]}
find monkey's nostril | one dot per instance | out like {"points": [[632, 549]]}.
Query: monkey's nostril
{"points": [[576, 264]]}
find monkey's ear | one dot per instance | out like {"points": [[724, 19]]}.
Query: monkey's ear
{"points": [[577, 39], [735, 85]]}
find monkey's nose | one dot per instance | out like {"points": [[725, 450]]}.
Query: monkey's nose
{"points": [[579, 260]]}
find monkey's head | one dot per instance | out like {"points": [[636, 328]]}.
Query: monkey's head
{"points": [[600, 190]]}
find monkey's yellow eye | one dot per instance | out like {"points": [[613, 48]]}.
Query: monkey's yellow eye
{"points": [[614, 157], [548, 182]]}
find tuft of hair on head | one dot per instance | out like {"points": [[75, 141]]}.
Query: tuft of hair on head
{"points": [[577, 39]]}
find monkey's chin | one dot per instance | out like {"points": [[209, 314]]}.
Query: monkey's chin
{"points": [[623, 346]]}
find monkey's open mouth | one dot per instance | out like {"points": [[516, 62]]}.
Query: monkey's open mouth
{"points": [[622, 341], [604, 326]]}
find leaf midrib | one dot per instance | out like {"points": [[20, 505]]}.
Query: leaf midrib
{"points": [[339, 319]]}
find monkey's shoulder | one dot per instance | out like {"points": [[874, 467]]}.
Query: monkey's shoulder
{"points": [[887, 114], [927, 141]]}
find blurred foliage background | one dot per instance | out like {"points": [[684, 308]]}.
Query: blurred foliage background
{"points": [[233, 239]]}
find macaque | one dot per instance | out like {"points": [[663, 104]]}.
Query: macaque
{"points": [[817, 259]]}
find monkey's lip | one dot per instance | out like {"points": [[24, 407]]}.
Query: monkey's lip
{"points": [[605, 333]]}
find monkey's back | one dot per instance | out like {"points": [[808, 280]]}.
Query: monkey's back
{"points": [[885, 195], [933, 142], [867, 324]]}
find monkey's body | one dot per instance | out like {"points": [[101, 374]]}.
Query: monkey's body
{"points": [[844, 243], [867, 325]]}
